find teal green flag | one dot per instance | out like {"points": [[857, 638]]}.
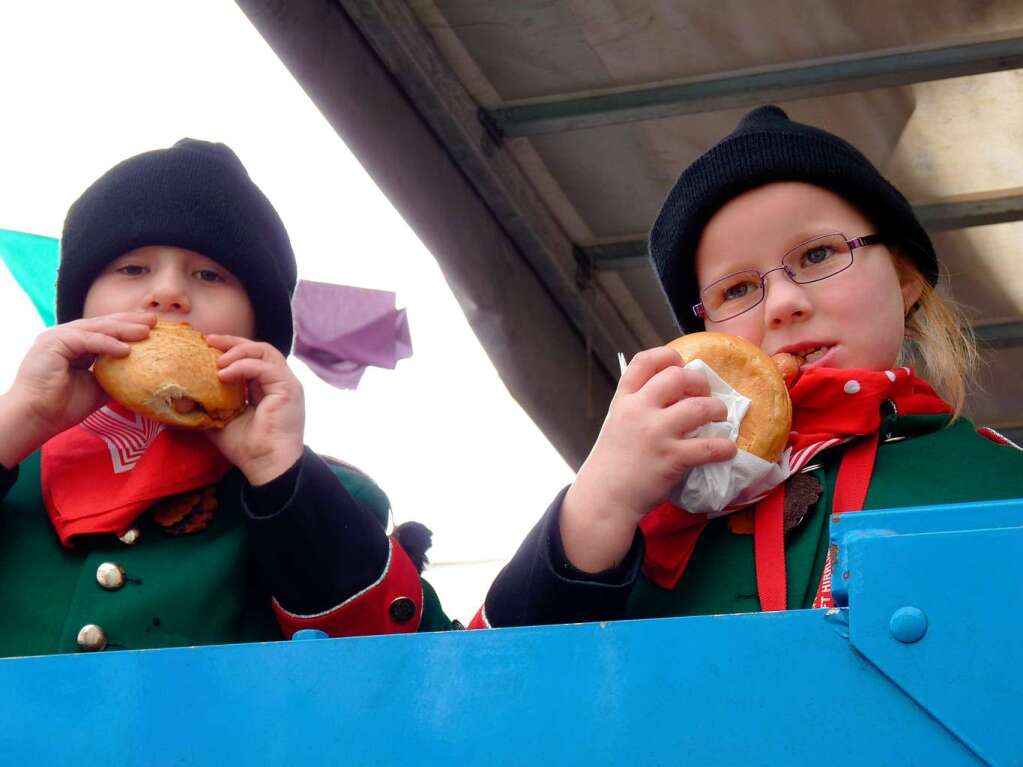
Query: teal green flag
{"points": [[33, 262]]}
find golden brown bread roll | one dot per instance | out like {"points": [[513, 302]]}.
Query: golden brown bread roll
{"points": [[171, 377], [749, 371]]}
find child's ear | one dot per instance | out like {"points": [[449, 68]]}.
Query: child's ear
{"points": [[911, 282], [912, 289]]}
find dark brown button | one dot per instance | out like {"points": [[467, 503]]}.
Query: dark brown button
{"points": [[402, 609]]}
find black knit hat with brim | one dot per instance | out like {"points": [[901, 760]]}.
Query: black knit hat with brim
{"points": [[767, 146], [195, 195]]}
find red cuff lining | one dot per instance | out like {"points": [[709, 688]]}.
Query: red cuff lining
{"points": [[384, 607], [479, 620]]}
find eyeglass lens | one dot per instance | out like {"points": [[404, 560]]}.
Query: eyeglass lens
{"points": [[814, 260]]}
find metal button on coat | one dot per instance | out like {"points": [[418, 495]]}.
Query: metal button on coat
{"points": [[129, 536], [110, 576], [92, 637], [402, 609]]}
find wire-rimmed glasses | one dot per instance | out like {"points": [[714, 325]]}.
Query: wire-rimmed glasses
{"points": [[816, 259]]}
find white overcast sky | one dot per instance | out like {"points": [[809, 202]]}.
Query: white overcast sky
{"points": [[84, 85]]}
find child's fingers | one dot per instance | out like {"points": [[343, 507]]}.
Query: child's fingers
{"points": [[123, 328], [700, 451], [256, 393], [225, 342], [693, 412], [128, 326], [645, 366], [235, 349], [250, 369], [673, 384], [75, 343]]}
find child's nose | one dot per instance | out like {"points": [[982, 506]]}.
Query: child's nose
{"points": [[785, 301], [168, 294]]}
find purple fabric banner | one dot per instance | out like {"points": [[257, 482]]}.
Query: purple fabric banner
{"points": [[340, 330]]}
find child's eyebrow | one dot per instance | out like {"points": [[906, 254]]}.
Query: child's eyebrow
{"points": [[209, 263], [746, 263], [127, 257], [805, 234]]}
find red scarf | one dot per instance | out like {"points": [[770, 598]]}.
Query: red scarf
{"points": [[100, 475], [830, 407]]}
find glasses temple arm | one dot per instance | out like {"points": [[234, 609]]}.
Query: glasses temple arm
{"points": [[870, 239]]}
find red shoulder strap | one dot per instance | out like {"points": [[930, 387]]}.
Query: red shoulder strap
{"points": [[769, 519]]}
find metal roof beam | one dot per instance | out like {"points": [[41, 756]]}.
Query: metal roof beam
{"points": [[958, 212], [746, 88], [617, 256], [552, 333], [999, 335], [964, 211], [406, 49]]}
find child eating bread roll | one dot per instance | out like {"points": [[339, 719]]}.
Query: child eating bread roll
{"points": [[118, 531], [788, 237]]}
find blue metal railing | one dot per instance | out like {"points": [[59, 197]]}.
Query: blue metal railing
{"points": [[858, 685]]}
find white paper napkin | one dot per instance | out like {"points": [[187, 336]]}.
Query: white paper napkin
{"points": [[710, 488]]}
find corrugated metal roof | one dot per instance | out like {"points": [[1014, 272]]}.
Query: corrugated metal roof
{"points": [[937, 140], [571, 119]]}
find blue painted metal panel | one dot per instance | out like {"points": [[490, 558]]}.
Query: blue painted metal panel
{"points": [[919, 519], [965, 670], [801, 687], [720, 690]]}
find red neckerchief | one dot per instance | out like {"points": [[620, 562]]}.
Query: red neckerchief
{"points": [[830, 407], [98, 476]]}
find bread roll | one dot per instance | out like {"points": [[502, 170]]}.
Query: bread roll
{"points": [[749, 371], [171, 377]]}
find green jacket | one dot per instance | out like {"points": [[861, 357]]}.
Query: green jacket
{"points": [[931, 465], [919, 462], [205, 588]]}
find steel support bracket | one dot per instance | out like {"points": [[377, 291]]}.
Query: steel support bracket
{"points": [[931, 595]]}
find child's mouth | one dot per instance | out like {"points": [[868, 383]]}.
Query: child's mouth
{"points": [[814, 355]]}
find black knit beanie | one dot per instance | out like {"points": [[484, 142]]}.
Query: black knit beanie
{"points": [[767, 146], [195, 195]]}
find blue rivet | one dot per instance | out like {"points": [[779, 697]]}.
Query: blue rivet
{"points": [[908, 624], [309, 634]]}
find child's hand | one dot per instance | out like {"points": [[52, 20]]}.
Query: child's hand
{"points": [[267, 439], [54, 388], [640, 455]]}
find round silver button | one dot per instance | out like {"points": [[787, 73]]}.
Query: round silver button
{"points": [[110, 576], [129, 536], [92, 637]]}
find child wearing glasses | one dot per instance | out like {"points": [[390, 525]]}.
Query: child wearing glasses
{"points": [[787, 236]]}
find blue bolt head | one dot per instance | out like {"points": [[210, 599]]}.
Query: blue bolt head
{"points": [[309, 634], [908, 624]]}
